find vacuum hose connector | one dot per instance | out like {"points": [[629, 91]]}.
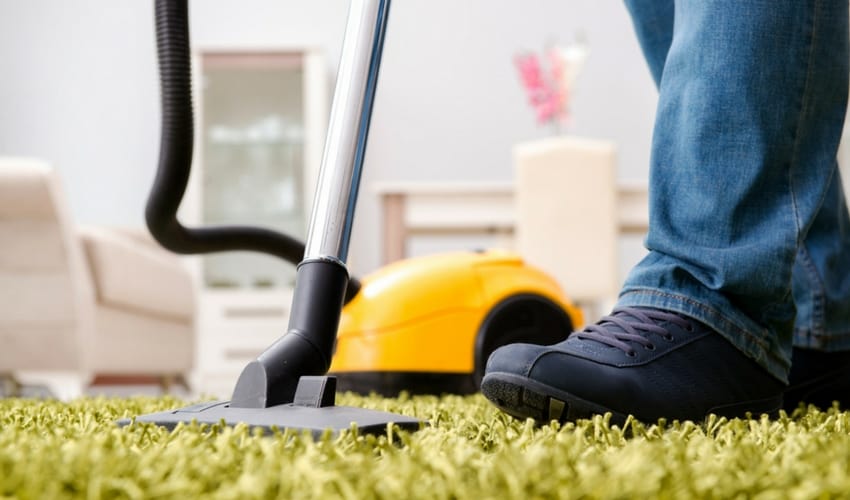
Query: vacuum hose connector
{"points": [[307, 347]]}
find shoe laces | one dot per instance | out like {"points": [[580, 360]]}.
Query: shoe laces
{"points": [[628, 325]]}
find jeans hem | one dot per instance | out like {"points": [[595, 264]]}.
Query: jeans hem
{"points": [[747, 342], [827, 342]]}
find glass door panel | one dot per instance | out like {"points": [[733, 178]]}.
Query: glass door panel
{"points": [[253, 159]]}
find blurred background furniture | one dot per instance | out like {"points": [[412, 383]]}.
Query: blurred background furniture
{"points": [[565, 213], [568, 222], [102, 305], [144, 310], [435, 209]]}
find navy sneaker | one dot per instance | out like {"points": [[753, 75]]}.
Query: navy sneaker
{"points": [[818, 378], [639, 361]]}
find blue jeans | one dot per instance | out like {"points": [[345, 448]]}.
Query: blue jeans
{"points": [[748, 231]]}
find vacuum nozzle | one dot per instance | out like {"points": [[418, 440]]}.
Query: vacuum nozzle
{"points": [[307, 346]]}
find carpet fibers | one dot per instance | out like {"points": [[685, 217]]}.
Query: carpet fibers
{"points": [[74, 450]]}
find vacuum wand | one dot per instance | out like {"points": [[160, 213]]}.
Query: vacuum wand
{"points": [[342, 164], [307, 347]]}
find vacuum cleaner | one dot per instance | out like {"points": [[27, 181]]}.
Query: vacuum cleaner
{"points": [[422, 325], [427, 325]]}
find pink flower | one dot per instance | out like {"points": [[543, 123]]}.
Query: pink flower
{"points": [[541, 95], [549, 93]]}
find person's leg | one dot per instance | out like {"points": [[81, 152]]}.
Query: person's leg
{"points": [[820, 360], [822, 277], [752, 99], [820, 370], [653, 23]]}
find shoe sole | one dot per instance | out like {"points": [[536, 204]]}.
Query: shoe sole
{"points": [[523, 398]]}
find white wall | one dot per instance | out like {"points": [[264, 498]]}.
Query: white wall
{"points": [[79, 88]]}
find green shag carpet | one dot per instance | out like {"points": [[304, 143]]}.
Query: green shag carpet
{"points": [[59, 450]]}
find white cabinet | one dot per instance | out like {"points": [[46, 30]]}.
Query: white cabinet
{"points": [[234, 327], [261, 116]]}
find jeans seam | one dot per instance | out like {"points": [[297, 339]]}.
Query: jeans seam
{"points": [[817, 292], [803, 107], [794, 161]]}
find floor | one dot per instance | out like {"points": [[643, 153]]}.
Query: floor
{"points": [[66, 386]]}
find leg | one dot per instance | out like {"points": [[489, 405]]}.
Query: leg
{"points": [[820, 368], [653, 22], [751, 105], [821, 281], [752, 98], [820, 372]]}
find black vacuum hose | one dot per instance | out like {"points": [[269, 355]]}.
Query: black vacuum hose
{"points": [[175, 159]]}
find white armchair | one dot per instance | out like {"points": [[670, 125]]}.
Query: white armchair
{"points": [[106, 305]]}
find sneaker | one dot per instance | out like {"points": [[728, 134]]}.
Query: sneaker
{"points": [[643, 362], [818, 378]]}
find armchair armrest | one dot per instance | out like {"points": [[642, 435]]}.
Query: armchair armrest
{"points": [[130, 271]]}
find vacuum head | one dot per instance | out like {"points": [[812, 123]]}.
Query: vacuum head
{"points": [[313, 410]]}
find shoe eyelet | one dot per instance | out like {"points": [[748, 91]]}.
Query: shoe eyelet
{"points": [[649, 347], [631, 354], [690, 328], [668, 337]]}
